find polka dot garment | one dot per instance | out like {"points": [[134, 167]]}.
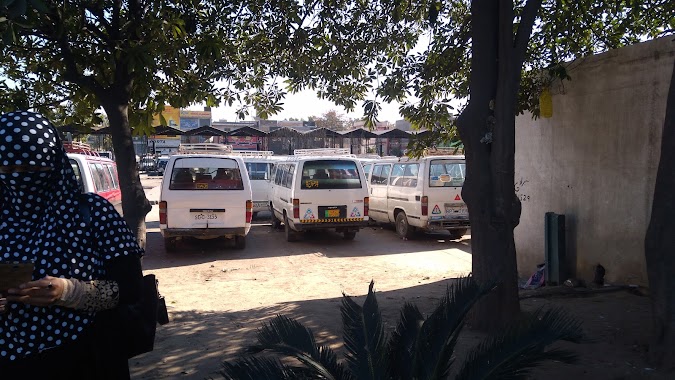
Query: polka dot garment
{"points": [[40, 221]]}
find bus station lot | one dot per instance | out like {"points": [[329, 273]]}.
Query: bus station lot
{"points": [[218, 296]]}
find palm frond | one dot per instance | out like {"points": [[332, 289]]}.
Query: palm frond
{"points": [[402, 342], [437, 338], [521, 347], [286, 336], [364, 337], [254, 368]]}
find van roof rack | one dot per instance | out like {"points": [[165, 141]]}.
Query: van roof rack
{"points": [[254, 153], [323, 152], [211, 148], [79, 148], [443, 151]]}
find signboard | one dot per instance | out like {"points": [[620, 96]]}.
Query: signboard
{"points": [[172, 116], [195, 114], [244, 142]]}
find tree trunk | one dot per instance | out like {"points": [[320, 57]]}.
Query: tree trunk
{"points": [[660, 245], [487, 128], [134, 202]]}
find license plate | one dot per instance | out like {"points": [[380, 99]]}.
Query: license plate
{"points": [[333, 213], [206, 216], [456, 211], [259, 204]]}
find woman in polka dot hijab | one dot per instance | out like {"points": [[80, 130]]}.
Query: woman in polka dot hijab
{"points": [[85, 267]]}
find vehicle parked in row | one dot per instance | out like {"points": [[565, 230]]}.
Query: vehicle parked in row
{"points": [[205, 196], [161, 164], [98, 175], [319, 189], [419, 194], [259, 167]]}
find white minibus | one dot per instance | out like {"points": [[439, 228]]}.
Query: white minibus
{"points": [[315, 191], [205, 196], [259, 167], [420, 194]]}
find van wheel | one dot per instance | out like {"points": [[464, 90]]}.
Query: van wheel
{"points": [[349, 235], [170, 244], [457, 234], [240, 242], [276, 223], [403, 229], [290, 234]]}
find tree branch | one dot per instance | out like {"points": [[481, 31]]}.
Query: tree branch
{"points": [[530, 12]]}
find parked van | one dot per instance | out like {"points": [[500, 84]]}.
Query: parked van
{"points": [[97, 175], [315, 191], [205, 196], [259, 167], [420, 194]]}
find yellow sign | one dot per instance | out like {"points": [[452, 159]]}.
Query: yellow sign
{"points": [[171, 115]]}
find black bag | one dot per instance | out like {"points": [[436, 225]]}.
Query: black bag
{"points": [[131, 328], [139, 321]]}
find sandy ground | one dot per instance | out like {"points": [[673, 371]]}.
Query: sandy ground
{"points": [[218, 297]]}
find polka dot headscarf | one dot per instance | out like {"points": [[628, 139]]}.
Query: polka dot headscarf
{"points": [[40, 221]]}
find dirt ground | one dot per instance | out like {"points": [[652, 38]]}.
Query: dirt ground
{"points": [[218, 297]]}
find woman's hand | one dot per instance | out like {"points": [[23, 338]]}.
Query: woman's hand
{"points": [[42, 292]]}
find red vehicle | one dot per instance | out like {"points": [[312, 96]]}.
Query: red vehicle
{"points": [[97, 175]]}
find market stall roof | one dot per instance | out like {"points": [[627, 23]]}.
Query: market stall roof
{"points": [[168, 131], [322, 132], [74, 129], [206, 131], [393, 134], [284, 132], [247, 131], [359, 133]]}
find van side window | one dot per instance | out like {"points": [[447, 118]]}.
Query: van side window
{"points": [[113, 178], [288, 178], [96, 175], [78, 174], [380, 174], [279, 174], [404, 175], [366, 170]]}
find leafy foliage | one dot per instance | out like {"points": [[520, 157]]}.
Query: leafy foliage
{"points": [[419, 347]]}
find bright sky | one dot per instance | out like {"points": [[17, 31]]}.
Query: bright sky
{"points": [[305, 104]]}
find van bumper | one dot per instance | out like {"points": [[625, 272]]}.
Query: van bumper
{"points": [[348, 226], [447, 224], [203, 232]]}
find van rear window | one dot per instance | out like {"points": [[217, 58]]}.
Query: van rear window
{"points": [[258, 170], [446, 173], [206, 174], [330, 174]]}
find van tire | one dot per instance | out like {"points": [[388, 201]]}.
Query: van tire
{"points": [[403, 228], [170, 244], [457, 234], [291, 235], [349, 235], [240, 242], [276, 223]]}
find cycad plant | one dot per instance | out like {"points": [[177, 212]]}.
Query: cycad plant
{"points": [[419, 349]]}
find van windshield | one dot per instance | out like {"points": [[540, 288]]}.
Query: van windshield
{"points": [[330, 174], [206, 174], [446, 173]]}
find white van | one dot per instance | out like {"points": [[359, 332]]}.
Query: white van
{"points": [[98, 175], [205, 196], [319, 192], [420, 194], [259, 167]]}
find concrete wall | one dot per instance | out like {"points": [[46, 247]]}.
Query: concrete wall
{"points": [[595, 161]]}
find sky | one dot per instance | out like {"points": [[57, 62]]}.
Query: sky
{"points": [[305, 104]]}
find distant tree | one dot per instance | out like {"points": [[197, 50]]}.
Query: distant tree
{"points": [[331, 120]]}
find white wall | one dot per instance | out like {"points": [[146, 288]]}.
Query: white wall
{"points": [[595, 161]]}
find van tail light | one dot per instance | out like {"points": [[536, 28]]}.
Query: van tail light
{"points": [[296, 208], [425, 205], [162, 212], [366, 206], [249, 211]]}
